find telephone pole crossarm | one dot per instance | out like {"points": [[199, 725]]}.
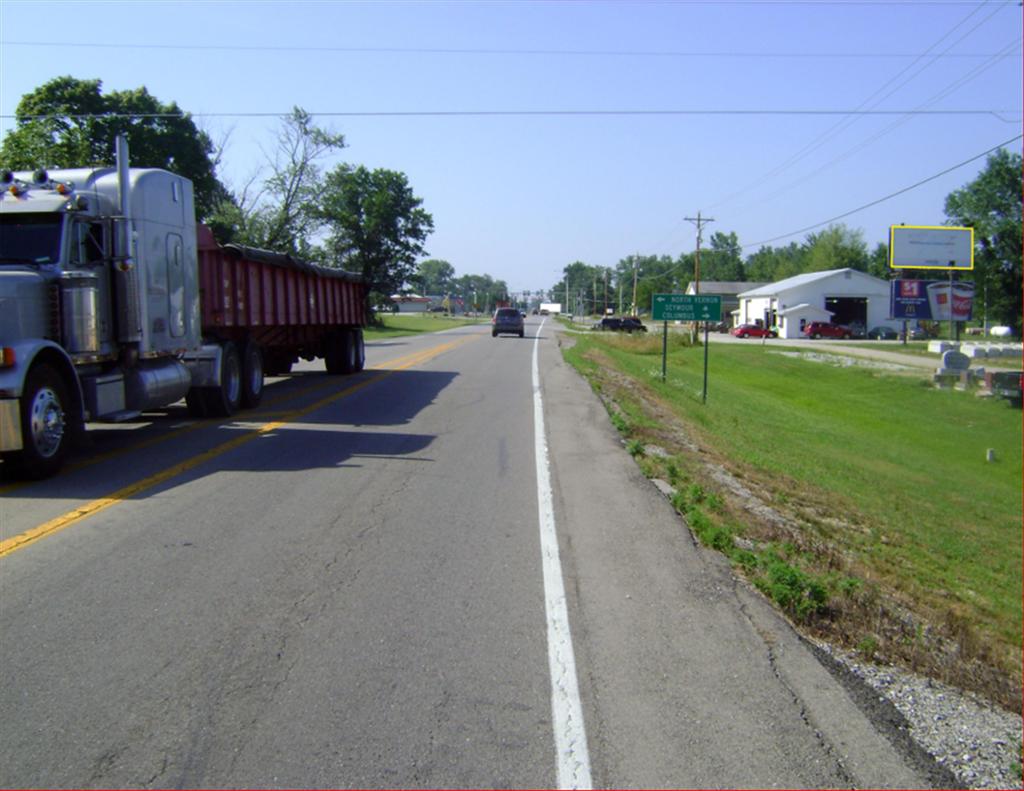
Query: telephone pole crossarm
{"points": [[700, 222]]}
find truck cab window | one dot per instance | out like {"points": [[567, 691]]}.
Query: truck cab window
{"points": [[88, 248], [29, 239]]}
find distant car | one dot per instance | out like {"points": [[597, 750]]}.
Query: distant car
{"points": [[822, 329], [916, 334], [608, 323], [858, 330], [883, 334], [753, 331], [507, 321]]}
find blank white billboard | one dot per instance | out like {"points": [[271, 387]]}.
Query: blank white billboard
{"points": [[931, 247]]}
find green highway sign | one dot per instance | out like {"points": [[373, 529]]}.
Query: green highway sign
{"points": [[686, 307]]}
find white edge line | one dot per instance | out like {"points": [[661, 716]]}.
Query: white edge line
{"points": [[573, 758]]}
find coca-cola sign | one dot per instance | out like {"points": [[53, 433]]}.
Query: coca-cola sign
{"points": [[934, 300]]}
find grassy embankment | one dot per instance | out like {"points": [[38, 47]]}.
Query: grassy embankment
{"points": [[900, 539], [393, 325]]}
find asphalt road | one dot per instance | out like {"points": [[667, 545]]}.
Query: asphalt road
{"points": [[346, 588]]}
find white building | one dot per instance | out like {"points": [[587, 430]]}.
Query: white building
{"points": [[840, 296]]}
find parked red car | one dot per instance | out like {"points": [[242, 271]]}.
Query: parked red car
{"points": [[753, 331], [822, 329]]}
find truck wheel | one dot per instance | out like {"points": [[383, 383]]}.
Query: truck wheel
{"points": [[252, 375], [359, 345], [43, 423], [340, 358], [224, 401]]}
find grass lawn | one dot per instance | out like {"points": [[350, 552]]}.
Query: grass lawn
{"points": [[886, 476], [393, 325]]}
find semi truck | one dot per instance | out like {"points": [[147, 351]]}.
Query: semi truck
{"points": [[114, 300]]}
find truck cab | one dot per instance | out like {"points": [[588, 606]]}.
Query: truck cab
{"points": [[98, 303]]}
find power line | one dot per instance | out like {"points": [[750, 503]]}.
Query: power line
{"points": [[874, 100], [522, 113], [887, 197], [262, 48]]}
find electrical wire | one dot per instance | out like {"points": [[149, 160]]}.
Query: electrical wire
{"points": [[870, 102], [882, 200], [878, 135], [315, 49], [996, 113]]}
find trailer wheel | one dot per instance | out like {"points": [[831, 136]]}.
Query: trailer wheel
{"points": [[252, 375], [339, 357], [43, 425], [360, 350], [224, 401]]}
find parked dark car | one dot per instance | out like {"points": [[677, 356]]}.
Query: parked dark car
{"points": [[624, 324], [883, 334], [822, 329], [753, 331], [507, 321]]}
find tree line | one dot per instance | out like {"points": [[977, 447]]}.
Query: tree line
{"points": [[352, 217], [990, 203], [371, 221]]}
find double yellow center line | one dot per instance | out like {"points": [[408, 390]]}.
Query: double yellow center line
{"points": [[96, 506]]}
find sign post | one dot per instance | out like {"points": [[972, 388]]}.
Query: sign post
{"points": [[686, 307], [932, 247]]}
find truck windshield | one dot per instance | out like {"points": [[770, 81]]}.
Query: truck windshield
{"points": [[29, 238]]}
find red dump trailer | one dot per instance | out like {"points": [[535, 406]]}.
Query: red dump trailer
{"points": [[123, 303], [272, 309]]}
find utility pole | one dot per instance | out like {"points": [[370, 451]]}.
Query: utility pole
{"points": [[636, 269], [699, 222]]}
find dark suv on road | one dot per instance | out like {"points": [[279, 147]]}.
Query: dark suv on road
{"points": [[508, 321]]}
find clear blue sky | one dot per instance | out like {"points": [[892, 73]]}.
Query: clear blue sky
{"points": [[519, 197]]}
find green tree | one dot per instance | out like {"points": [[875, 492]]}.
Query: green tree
{"points": [[770, 264], [878, 262], [376, 225], [721, 260], [277, 215], [69, 122], [991, 204], [434, 277], [479, 292], [837, 247]]}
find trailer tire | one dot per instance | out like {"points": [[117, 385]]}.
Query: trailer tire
{"points": [[44, 419], [224, 401], [359, 345], [339, 357], [252, 375]]}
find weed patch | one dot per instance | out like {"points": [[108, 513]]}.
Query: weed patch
{"points": [[861, 501]]}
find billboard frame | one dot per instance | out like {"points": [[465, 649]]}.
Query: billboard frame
{"points": [[952, 266]]}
